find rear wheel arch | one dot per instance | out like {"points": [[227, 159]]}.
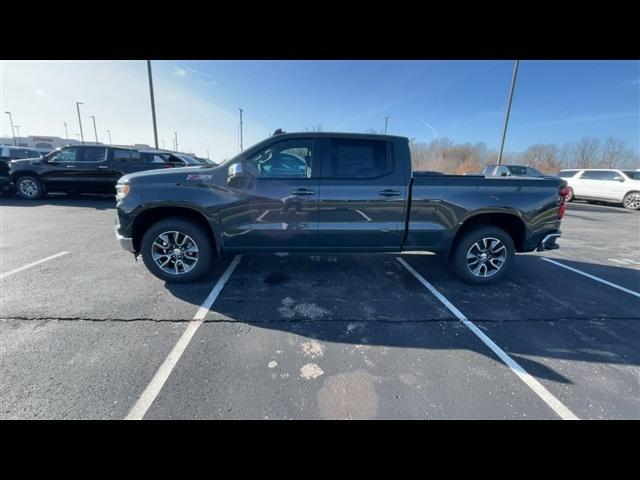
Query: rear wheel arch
{"points": [[151, 216], [510, 223]]}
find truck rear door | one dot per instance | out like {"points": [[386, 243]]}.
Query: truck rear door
{"points": [[363, 193]]}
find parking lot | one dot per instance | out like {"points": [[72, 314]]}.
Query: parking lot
{"points": [[90, 333]]}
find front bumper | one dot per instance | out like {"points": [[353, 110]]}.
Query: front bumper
{"points": [[548, 242], [125, 242]]}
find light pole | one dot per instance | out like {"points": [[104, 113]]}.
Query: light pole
{"points": [[386, 121], [13, 133], [208, 154], [506, 119], [95, 131], [109, 132], [80, 121], [175, 137], [18, 130], [240, 128], [163, 144], [66, 131], [153, 105]]}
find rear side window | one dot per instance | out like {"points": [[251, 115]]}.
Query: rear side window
{"points": [[94, 154], [567, 173], [357, 159], [600, 175], [127, 156], [22, 153]]}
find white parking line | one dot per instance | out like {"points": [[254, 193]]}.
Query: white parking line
{"points": [[33, 264], [592, 277], [531, 382], [155, 385]]}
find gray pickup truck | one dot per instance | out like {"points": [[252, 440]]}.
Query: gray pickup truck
{"points": [[333, 192]]}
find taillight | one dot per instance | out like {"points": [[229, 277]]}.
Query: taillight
{"points": [[564, 191]]}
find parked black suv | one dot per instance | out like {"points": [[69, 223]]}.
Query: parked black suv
{"points": [[77, 169]]}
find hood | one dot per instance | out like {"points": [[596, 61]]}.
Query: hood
{"points": [[166, 175]]}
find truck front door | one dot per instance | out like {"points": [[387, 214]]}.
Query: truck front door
{"points": [[276, 204], [363, 193]]}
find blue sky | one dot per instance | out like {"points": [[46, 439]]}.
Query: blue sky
{"points": [[554, 102]]}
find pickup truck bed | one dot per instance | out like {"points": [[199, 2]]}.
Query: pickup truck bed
{"points": [[333, 192]]}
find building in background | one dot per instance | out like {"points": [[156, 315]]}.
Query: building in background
{"points": [[43, 144]]}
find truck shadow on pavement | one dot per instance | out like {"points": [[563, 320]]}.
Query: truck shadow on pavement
{"points": [[98, 202], [539, 311]]}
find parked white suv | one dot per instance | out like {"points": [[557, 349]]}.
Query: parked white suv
{"points": [[604, 185]]}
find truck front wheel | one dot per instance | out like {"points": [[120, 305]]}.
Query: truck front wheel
{"points": [[483, 255], [177, 250]]}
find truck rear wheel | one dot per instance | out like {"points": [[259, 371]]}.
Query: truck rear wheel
{"points": [[483, 255], [177, 250]]}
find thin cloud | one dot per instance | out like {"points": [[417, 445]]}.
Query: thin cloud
{"points": [[181, 72], [589, 119], [435, 133]]}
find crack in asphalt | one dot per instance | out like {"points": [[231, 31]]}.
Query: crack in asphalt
{"points": [[326, 320]]}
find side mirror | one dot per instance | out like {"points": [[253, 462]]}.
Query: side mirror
{"points": [[237, 177], [235, 170], [619, 178], [504, 174]]}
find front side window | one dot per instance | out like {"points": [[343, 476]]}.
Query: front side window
{"points": [[291, 159], [94, 154], [122, 155], [357, 159], [66, 155]]}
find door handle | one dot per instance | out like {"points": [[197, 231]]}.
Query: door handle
{"points": [[303, 191], [389, 193], [71, 166], [102, 167]]}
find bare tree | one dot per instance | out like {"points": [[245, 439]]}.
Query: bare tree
{"points": [[586, 152], [615, 154], [542, 157]]}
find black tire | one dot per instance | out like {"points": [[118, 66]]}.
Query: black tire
{"points": [[631, 201], [29, 187], [494, 254], [199, 236]]}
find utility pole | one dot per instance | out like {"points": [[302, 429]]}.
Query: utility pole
{"points": [[80, 121], [109, 132], [240, 129], [163, 143], [386, 121], [66, 131], [13, 133], [208, 154], [95, 130], [175, 136], [153, 105], [506, 119], [18, 130]]}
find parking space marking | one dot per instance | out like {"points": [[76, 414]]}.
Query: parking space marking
{"points": [[32, 264], [592, 277], [527, 378], [157, 382]]}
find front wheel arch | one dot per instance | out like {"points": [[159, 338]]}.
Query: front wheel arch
{"points": [[144, 220]]}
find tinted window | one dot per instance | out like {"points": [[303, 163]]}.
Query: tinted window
{"points": [[94, 154], [600, 175], [283, 160], [66, 155], [567, 173], [23, 153], [358, 159], [122, 156], [635, 175]]}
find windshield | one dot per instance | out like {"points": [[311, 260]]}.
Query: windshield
{"points": [[633, 174]]}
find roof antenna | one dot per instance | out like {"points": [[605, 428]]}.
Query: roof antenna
{"points": [[278, 132]]}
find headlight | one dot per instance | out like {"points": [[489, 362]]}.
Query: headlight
{"points": [[122, 190]]}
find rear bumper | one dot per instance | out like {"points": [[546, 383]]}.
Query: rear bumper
{"points": [[548, 242]]}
